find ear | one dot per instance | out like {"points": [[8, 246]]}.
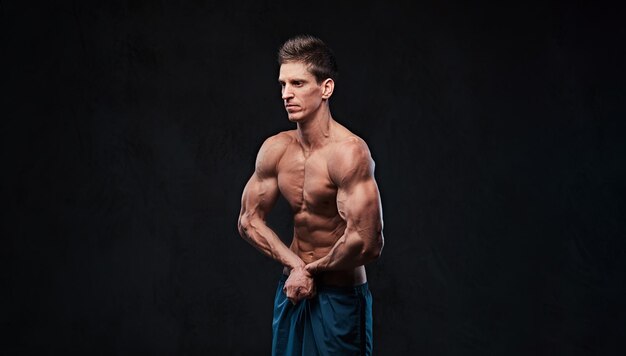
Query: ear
{"points": [[328, 86]]}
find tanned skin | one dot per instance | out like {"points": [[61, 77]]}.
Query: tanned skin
{"points": [[326, 173]]}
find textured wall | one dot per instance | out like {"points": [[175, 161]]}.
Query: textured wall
{"points": [[129, 130]]}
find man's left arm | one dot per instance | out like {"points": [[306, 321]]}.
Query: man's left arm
{"points": [[358, 203]]}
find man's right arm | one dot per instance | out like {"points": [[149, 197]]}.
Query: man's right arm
{"points": [[259, 196]]}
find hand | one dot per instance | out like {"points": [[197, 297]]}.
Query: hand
{"points": [[299, 285], [311, 268]]}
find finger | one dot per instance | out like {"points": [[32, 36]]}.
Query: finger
{"points": [[294, 299], [310, 269], [304, 294], [294, 294]]}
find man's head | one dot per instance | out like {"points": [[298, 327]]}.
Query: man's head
{"points": [[313, 52], [307, 72]]}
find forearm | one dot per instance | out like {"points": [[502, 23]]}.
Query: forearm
{"points": [[264, 239], [351, 250]]}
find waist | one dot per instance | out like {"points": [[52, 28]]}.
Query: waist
{"points": [[322, 287], [344, 278]]}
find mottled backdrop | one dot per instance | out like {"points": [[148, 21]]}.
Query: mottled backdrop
{"points": [[130, 128]]}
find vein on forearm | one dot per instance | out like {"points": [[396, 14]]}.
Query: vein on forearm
{"points": [[263, 238], [351, 249]]}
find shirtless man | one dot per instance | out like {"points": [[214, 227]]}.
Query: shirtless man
{"points": [[326, 173]]}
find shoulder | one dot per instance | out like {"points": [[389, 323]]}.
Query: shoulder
{"points": [[352, 147], [271, 151], [277, 142], [351, 158]]}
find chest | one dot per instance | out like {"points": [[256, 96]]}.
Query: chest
{"points": [[305, 182]]}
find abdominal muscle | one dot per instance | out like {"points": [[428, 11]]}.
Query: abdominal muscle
{"points": [[311, 244]]}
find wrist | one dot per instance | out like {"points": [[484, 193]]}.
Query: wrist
{"points": [[296, 266], [311, 268], [301, 270]]}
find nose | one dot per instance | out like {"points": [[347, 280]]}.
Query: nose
{"points": [[286, 92]]}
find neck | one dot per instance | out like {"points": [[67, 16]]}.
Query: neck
{"points": [[315, 132]]}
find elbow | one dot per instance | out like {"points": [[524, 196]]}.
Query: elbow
{"points": [[242, 225], [373, 250]]}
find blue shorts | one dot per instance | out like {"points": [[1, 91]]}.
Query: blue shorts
{"points": [[337, 321]]}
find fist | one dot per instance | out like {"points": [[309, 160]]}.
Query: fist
{"points": [[299, 285]]}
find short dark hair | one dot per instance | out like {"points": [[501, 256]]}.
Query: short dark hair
{"points": [[312, 51]]}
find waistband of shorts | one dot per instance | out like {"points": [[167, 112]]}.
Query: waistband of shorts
{"points": [[361, 288]]}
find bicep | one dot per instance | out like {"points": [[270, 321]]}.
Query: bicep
{"points": [[359, 205], [259, 195], [261, 191]]}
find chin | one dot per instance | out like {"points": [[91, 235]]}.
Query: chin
{"points": [[294, 118]]}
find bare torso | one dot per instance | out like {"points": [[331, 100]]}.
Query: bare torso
{"points": [[305, 182]]}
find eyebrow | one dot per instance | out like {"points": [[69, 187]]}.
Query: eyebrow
{"points": [[293, 80]]}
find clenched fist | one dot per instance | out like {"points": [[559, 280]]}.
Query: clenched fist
{"points": [[299, 285]]}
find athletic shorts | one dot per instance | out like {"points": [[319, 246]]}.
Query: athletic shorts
{"points": [[337, 321]]}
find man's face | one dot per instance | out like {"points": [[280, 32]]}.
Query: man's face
{"points": [[301, 94]]}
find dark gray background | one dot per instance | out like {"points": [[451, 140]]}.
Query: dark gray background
{"points": [[130, 128]]}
